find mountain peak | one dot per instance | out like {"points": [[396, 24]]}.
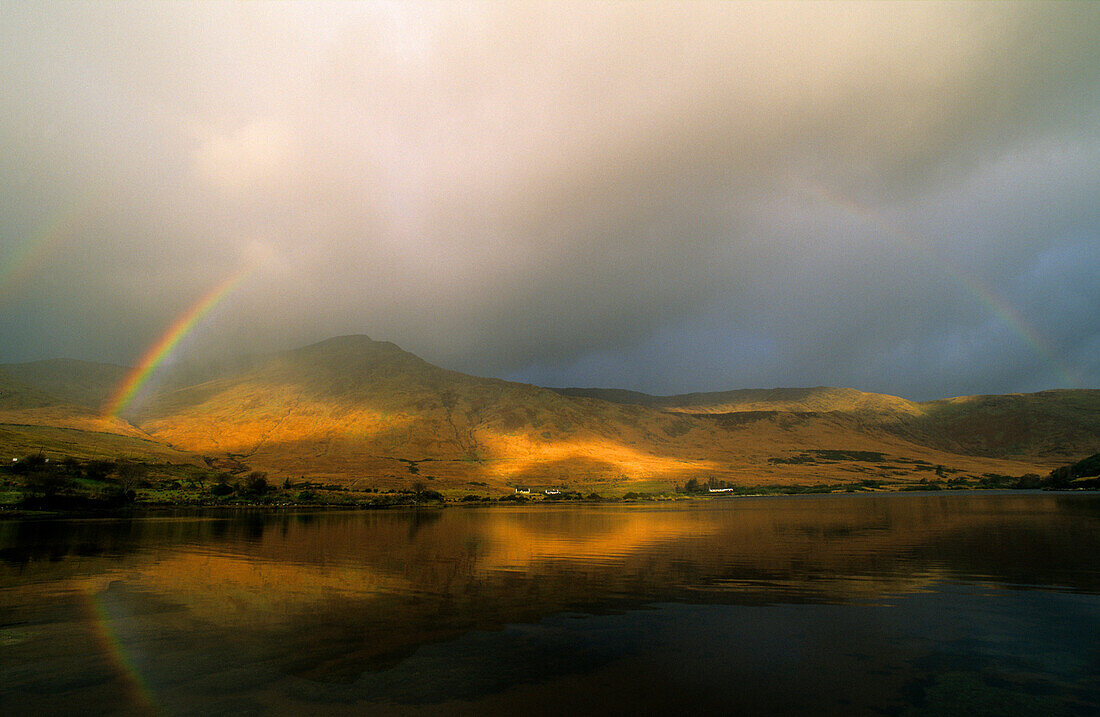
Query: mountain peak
{"points": [[352, 346], [347, 340]]}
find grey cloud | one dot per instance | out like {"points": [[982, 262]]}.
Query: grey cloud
{"points": [[662, 197]]}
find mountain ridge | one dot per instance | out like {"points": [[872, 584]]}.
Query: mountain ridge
{"points": [[350, 409]]}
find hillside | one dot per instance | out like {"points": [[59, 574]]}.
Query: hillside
{"points": [[33, 419], [1048, 424], [803, 400], [353, 409], [360, 412], [351, 406], [16, 395], [81, 383]]}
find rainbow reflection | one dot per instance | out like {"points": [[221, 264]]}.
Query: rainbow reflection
{"points": [[103, 628]]}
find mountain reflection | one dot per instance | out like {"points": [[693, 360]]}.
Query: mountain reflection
{"points": [[329, 597]]}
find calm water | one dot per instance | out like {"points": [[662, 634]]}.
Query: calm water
{"points": [[865, 604]]}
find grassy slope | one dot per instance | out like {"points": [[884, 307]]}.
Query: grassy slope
{"points": [[16, 395], [33, 419], [1049, 425], [353, 409], [18, 440], [352, 406], [358, 411], [1040, 427], [803, 400], [81, 383]]}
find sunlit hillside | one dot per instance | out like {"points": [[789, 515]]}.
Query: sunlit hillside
{"points": [[33, 418], [359, 412], [1056, 423], [820, 399]]}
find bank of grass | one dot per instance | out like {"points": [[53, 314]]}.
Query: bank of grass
{"points": [[37, 483]]}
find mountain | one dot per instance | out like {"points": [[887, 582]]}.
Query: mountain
{"points": [[81, 383], [353, 407], [366, 413], [1044, 425], [16, 395], [1037, 425], [821, 399], [68, 422]]}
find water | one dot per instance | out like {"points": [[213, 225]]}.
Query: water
{"points": [[865, 604]]}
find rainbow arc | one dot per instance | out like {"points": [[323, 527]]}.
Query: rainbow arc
{"points": [[975, 285], [22, 259], [162, 348]]}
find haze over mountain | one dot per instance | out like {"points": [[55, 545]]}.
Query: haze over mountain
{"points": [[358, 411]]}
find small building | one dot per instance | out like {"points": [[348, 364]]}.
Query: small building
{"points": [[524, 491], [552, 491]]}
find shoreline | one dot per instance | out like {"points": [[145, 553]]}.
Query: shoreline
{"points": [[152, 510]]}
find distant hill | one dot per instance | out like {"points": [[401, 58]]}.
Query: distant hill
{"points": [[82, 383], [1048, 424], [351, 406], [33, 419], [820, 399], [16, 395], [357, 411]]}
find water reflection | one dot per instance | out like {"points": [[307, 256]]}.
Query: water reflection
{"points": [[489, 606]]}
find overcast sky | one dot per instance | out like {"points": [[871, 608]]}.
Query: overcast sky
{"points": [[667, 197]]}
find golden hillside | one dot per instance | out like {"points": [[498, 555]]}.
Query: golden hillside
{"points": [[360, 412], [820, 400], [356, 410], [33, 419]]}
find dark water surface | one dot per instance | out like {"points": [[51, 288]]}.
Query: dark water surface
{"points": [[865, 604]]}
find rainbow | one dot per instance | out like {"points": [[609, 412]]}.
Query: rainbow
{"points": [[111, 646], [162, 347], [22, 260], [981, 290]]}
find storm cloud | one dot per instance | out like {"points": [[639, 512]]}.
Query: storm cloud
{"points": [[664, 197]]}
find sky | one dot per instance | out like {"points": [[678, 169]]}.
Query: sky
{"points": [[666, 197]]}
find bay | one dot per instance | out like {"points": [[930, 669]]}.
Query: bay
{"points": [[953, 603]]}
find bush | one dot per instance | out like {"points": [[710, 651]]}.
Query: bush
{"points": [[307, 495], [132, 475], [117, 495], [1029, 481], [47, 483], [1062, 478], [256, 483], [99, 470], [29, 464], [221, 488]]}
